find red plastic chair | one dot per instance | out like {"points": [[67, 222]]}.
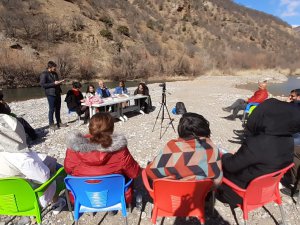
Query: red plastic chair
{"points": [[178, 198], [260, 191]]}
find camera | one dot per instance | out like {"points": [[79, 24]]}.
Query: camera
{"points": [[163, 85]]}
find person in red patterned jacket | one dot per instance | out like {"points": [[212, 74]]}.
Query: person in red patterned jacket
{"points": [[101, 152], [240, 104], [192, 156]]}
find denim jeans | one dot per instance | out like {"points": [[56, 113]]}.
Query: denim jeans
{"points": [[54, 106]]}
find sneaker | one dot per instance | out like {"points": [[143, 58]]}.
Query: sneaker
{"points": [[113, 213], [288, 192], [58, 206], [230, 117], [61, 125], [239, 132], [53, 127], [227, 109]]}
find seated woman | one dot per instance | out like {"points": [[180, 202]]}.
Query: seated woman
{"points": [[90, 91], [146, 103], [16, 160], [268, 146], [74, 98], [192, 156], [100, 152], [5, 109], [121, 89]]}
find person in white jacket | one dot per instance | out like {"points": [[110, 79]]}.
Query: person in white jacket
{"points": [[17, 160]]}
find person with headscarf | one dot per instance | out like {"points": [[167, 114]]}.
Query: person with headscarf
{"points": [[16, 160], [268, 146]]}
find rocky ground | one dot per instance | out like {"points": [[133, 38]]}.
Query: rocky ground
{"points": [[204, 95]]}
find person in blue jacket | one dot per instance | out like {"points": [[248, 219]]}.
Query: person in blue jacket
{"points": [[121, 89], [102, 90]]}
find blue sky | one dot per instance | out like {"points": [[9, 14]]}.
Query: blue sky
{"points": [[287, 10]]}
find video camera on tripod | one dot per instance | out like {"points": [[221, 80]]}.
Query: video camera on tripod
{"points": [[163, 85], [163, 108]]}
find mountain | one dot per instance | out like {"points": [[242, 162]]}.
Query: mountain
{"points": [[132, 39], [297, 29]]}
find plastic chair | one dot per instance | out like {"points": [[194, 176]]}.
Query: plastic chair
{"points": [[97, 194], [178, 198], [248, 110], [260, 191], [18, 198], [71, 113]]}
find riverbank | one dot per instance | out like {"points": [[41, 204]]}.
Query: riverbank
{"points": [[205, 95]]}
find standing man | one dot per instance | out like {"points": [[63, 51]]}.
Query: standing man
{"points": [[50, 82]]}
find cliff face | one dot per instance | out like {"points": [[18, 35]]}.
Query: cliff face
{"points": [[139, 38], [297, 29]]}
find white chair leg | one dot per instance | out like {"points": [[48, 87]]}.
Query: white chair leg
{"points": [[282, 215], [69, 204]]}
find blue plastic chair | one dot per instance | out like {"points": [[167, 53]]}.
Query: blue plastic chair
{"points": [[98, 194], [248, 110]]}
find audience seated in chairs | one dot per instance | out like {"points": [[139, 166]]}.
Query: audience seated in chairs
{"points": [[268, 146], [5, 109], [240, 104], [74, 98], [101, 152], [16, 160], [192, 156], [146, 104], [293, 176]]}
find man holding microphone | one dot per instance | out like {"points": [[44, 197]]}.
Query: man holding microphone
{"points": [[50, 82]]}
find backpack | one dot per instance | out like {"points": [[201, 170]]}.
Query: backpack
{"points": [[180, 108]]}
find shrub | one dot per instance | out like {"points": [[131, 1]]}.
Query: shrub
{"points": [[107, 21], [123, 30], [77, 23], [107, 34]]}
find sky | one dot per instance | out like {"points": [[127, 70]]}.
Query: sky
{"points": [[287, 10]]}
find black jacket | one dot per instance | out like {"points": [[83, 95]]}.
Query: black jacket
{"points": [[269, 144], [73, 101], [47, 80]]}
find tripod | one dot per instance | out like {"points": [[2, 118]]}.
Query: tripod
{"points": [[163, 106]]}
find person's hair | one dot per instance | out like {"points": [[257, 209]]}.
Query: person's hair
{"points": [[101, 128], [123, 84], [51, 64], [144, 87], [76, 84], [193, 125], [88, 88], [297, 91], [1, 95]]}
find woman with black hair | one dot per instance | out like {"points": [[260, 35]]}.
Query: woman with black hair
{"points": [[192, 156], [145, 103], [121, 89], [74, 98], [90, 91]]}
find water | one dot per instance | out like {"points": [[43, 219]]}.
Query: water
{"points": [[276, 89], [22, 94]]}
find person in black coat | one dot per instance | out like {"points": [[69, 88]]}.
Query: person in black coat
{"points": [[268, 146], [50, 82], [74, 98]]}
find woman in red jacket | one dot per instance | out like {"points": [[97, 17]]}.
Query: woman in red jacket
{"points": [[100, 152]]}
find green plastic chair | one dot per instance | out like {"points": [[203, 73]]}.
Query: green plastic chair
{"points": [[18, 198]]}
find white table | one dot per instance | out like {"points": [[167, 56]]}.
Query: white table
{"points": [[118, 109]]}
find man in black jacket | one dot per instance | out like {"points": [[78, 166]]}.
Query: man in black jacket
{"points": [[50, 82]]}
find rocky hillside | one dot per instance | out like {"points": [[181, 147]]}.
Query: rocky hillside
{"points": [[297, 29], [139, 39]]}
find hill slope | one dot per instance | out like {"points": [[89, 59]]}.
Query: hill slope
{"points": [[139, 38]]}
